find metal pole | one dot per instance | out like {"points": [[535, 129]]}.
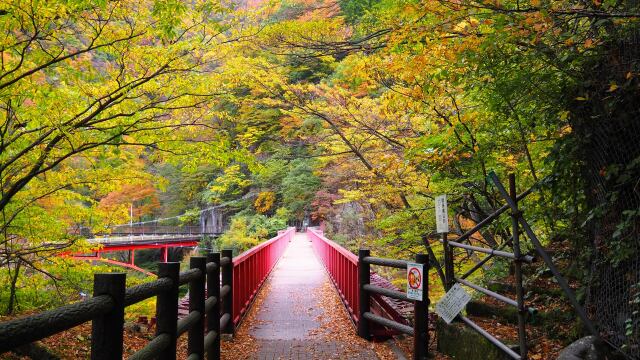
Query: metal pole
{"points": [[107, 330], [547, 259], [421, 314], [515, 214], [448, 262], [167, 308], [364, 277]]}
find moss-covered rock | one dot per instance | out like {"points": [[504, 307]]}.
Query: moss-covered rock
{"points": [[461, 342]]}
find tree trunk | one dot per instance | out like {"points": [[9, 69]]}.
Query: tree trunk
{"points": [[12, 288]]}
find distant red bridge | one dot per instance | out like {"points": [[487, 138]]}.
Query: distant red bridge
{"points": [[126, 238]]}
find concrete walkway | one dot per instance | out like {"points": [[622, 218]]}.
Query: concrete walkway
{"points": [[291, 322]]}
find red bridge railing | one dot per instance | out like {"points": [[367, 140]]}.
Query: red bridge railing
{"points": [[342, 266], [251, 268]]}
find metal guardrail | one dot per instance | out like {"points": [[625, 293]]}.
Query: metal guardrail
{"points": [[342, 267], [420, 329], [516, 257], [130, 239], [251, 269], [517, 221]]}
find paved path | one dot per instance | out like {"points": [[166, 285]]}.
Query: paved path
{"points": [[289, 322]]}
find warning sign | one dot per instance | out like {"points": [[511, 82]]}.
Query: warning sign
{"points": [[452, 303], [442, 214], [415, 281]]}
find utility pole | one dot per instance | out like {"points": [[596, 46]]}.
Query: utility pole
{"points": [[131, 220]]}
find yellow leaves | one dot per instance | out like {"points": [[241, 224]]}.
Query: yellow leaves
{"points": [[613, 86], [232, 178], [565, 130], [461, 26], [264, 202]]}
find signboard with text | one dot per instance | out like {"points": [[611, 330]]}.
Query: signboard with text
{"points": [[452, 303], [442, 215], [415, 281]]}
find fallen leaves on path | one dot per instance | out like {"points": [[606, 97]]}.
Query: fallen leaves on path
{"points": [[336, 325], [243, 345]]}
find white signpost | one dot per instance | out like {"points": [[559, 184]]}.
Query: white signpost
{"points": [[442, 215], [452, 303], [415, 281]]}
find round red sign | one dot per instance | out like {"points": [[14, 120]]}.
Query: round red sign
{"points": [[414, 278]]}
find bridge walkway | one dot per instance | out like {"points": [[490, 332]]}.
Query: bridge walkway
{"points": [[298, 314]]}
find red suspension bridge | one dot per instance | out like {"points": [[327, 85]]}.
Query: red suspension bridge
{"points": [[242, 278], [222, 289]]}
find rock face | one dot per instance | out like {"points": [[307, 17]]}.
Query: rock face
{"points": [[214, 220], [588, 348], [461, 342]]}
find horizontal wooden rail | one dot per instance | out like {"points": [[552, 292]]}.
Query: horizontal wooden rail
{"points": [[208, 315], [398, 264], [15, 333], [408, 330], [420, 330], [147, 290]]}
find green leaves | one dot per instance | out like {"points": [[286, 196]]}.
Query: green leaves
{"points": [[168, 14]]}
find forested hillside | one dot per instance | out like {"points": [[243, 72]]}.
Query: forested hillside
{"points": [[352, 115]]}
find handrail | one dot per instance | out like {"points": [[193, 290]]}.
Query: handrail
{"points": [[106, 308], [251, 269], [25, 330], [420, 329], [241, 257], [342, 267], [348, 254]]}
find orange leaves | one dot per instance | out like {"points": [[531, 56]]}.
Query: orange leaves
{"points": [[143, 196]]}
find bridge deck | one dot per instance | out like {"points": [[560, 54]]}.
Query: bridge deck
{"points": [[298, 314]]}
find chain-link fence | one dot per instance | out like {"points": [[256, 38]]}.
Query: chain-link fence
{"points": [[608, 126]]}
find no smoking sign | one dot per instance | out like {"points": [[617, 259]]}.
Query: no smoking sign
{"points": [[415, 280]]}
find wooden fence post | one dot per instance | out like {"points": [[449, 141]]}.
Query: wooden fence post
{"points": [[167, 308], [196, 303], [421, 314], [213, 317], [227, 279], [107, 330], [364, 277]]}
